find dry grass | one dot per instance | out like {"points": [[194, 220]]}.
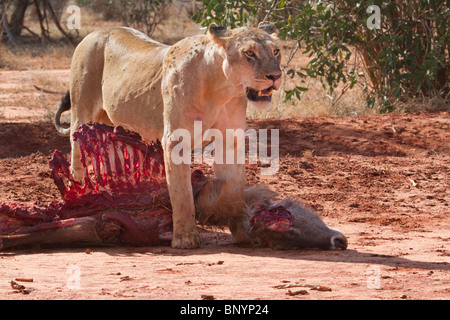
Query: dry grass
{"points": [[315, 102], [36, 56], [308, 153], [177, 26]]}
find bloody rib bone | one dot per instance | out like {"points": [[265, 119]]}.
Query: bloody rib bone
{"points": [[122, 197], [119, 159]]}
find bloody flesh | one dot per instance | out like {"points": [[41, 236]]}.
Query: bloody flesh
{"points": [[122, 192], [277, 218]]}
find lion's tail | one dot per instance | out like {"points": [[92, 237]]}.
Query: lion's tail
{"points": [[63, 106]]}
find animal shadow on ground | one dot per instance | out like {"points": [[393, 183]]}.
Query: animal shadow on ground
{"points": [[23, 139]]}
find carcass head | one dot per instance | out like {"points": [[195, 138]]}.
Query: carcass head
{"points": [[289, 224]]}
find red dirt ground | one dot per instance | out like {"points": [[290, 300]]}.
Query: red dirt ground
{"points": [[384, 181]]}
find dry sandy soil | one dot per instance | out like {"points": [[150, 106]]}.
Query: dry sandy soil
{"points": [[383, 180]]}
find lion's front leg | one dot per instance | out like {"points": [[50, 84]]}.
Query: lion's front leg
{"points": [[230, 200], [178, 176], [230, 166]]}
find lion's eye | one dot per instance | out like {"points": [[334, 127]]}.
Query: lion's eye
{"points": [[250, 54], [276, 52]]}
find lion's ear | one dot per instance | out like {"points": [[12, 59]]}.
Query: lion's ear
{"points": [[218, 33], [268, 27]]}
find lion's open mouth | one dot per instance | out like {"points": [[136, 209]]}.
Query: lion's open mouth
{"points": [[261, 95]]}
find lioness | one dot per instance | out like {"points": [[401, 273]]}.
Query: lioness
{"points": [[120, 76]]}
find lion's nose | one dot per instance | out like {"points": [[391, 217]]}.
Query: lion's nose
{"points": [[273, 76]]}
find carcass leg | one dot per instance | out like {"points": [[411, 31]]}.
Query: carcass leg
{"points": [[77, 230]]}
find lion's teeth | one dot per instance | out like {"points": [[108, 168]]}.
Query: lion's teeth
{"points": [[266, 93]]}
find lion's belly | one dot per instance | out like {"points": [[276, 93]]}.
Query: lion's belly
{"points": [[139, 114]]}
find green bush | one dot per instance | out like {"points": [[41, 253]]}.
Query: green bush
{"points": [[406, 57]]}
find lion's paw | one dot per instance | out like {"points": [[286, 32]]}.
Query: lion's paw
{"points": [[187, 240]]}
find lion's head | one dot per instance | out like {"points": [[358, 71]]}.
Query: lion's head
{"points": [[251, 59]]}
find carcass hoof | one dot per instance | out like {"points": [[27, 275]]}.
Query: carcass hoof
{"points": [[188, 240]]}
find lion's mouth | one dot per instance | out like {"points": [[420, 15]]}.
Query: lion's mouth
{"points": [[260, 95]]}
